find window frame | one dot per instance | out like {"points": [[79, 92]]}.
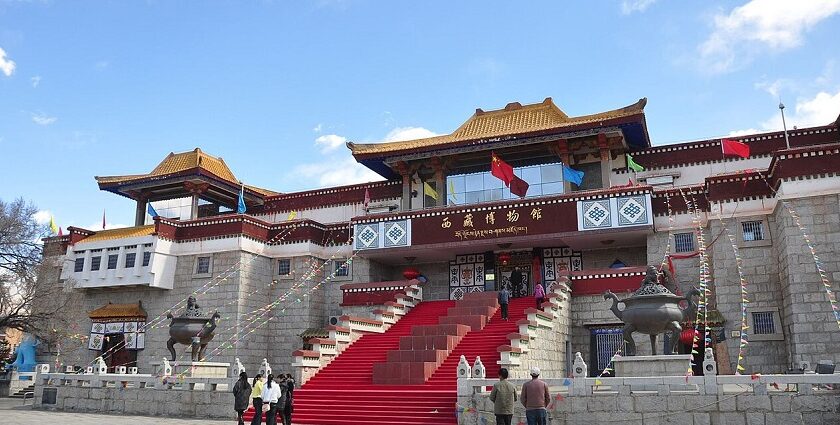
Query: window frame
{"points": [[778, 335], [765, 232], [348, 271], [693, 237], [289, 275], [197, 271], [76, 268], [95, 259], [133, 256], [147, 259], [116, 262]]}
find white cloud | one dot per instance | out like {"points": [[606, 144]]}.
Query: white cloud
{"points": [[822, 109], [7, 66], [42, 216], [408, 133], [630, 6], [36, 80], [318, 128], [330, 142], [337, 172], [41, 118], [776, 25]]}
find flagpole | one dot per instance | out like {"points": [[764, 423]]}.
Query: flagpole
{"points": [[784, 125]]}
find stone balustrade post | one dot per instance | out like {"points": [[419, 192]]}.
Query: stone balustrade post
{"points": [[579, 372]]}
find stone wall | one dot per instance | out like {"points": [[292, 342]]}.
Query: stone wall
{"points": [[547, 350], [782, 409], [761, 272], [809, 325], [140, 401]]}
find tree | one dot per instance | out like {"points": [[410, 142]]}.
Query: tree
{"points": [[31, 297]]}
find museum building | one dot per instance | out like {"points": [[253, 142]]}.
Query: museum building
{"points": [[600, 203]]}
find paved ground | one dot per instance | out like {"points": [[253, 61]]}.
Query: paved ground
{"points": [[12, 412]]}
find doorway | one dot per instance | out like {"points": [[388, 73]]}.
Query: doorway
{"points": [[116, 354], [523, 289]]}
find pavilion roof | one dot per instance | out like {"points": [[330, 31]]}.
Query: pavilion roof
{"points": [[121, 233], [513, 119], [182, 163]]}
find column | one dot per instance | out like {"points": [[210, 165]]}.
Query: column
{"points": [[606, 160], [439, 166], [194, 206], [402, 168], [565, 157], [140, 211]]}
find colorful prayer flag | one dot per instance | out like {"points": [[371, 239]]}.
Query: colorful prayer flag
{"points": [[633, 165], [240, 204], [53, 228], [151, 210], [519, 187], [572, 175], [501, 170], [734, 148], [292, 215], [430, 191]]}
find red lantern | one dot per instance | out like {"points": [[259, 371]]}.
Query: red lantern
{"points": [[687, 336], [411, 273], [504, 258]]}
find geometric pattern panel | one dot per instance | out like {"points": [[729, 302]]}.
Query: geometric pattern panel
{"points": [[631, 211], [383, 234], [596, 214], [558, 261], [134, 333], [466, 274], [615, 212]]}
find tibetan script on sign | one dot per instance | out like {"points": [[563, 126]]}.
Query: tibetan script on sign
{"points": [[491, 233]]}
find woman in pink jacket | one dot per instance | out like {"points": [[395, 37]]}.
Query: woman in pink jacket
{"points": [[539, 294]]}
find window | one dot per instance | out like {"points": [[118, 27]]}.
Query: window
{"points": [[604, 343], [112, 261], [284, 266], [763, 323], [130, 258], [684, 242], [202, 265], [341, 268], [753, 231], [94, 263], [79, 265], [147, 256], [544, 179]]}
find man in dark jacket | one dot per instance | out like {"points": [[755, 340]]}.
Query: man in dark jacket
{"points": [[504, 299]]}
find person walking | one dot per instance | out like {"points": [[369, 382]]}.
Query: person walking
{"points": [[503, 396], [256, 396], [241, 393], [516, 286], [504, 299], [535, 398], [288, 407], [539, 294], [271, 395]]}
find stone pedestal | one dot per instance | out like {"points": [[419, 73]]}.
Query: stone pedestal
{"points": [[189, 369], [645, 366]]}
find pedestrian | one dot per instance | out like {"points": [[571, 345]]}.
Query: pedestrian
{"points": [[288, 407], [241, 393], [504, 299], [503, 396], [271, 395], [539, 294], [535, 398], [516, 286], [256, 395]]}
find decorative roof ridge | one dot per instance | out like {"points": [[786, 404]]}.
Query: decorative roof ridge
{"points": [[332, 189], [693, 144]]}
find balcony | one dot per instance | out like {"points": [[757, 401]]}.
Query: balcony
{"points": [[567, 216]]}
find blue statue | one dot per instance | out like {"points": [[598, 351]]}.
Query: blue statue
{"points": [[25, 355]]}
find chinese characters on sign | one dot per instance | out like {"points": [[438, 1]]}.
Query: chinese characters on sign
{"points": [[506, 224]]}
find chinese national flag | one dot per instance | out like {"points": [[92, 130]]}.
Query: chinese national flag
{"points": [[501, 170], [518, 187], [735, 148]]}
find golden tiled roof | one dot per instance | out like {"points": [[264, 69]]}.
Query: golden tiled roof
{"points": [[183, 161], [177, 162], [118, 310], [512, 120], [124, 232]]}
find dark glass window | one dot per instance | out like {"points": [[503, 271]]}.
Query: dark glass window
{"points": [[684, 242], [130, 259], [147, 256], [763, 323], [95, 262], [753, 231], [112, 261], [79, 265], [284, 266], [202, 265], [341, 267]]}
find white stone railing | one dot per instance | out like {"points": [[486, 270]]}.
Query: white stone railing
{"points": [[113, 380]]}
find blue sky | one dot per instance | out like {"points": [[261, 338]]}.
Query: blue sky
{"points": [[275, 88]]}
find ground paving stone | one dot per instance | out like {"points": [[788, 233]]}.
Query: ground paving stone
{"points": [[12, 412]]}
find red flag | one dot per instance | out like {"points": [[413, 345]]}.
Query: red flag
{"points": [[735, 148], [367, 198], [103, 219], [60, 233], [501, 170], [518, 187]]}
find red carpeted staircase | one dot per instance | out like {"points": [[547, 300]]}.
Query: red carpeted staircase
{"points": [[343, 392]]}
